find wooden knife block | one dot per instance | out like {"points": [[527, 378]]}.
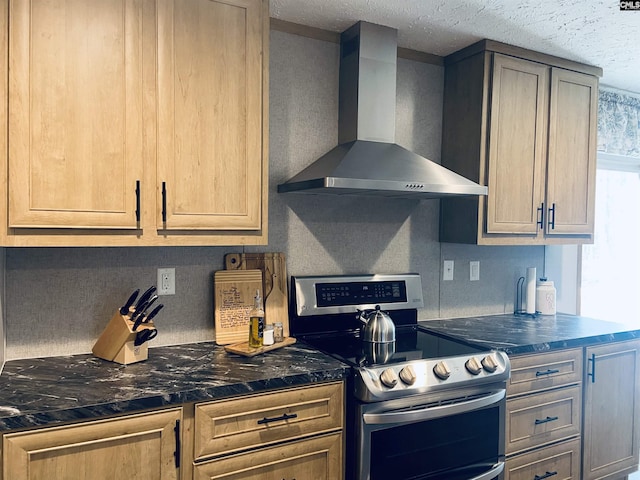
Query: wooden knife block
{"points": [[116, 341]]}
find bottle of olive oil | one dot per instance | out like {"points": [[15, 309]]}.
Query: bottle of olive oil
{"points": [[256, 322]]}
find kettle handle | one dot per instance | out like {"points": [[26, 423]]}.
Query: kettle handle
{"points": [[363, 315]]}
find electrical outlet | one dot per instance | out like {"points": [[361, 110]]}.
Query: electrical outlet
{"points": [[166, 281], [447, 270], [474, 271]]}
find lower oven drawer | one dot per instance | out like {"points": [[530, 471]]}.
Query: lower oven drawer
{"points": [[454, 441], [558, 462], [542, 418]]}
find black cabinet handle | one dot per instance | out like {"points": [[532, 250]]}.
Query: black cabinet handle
{"points": [[277, 419], [176, 454], [592, 361], [138, 201], [546, 420], [164, 202], [548, 372], [552, 216], [546, 475], [541, 216]]}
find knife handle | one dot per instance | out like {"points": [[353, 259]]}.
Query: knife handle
{"points": [[153, 313], [145, 296], [144, 336], [137, 321], [124, 310]]}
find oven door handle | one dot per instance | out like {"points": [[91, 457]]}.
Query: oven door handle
{"points": [[430, 413], [491, 474]]}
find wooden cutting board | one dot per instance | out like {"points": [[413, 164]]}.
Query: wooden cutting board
{"points": [[234, 291], [246, 351], [270, 264]]}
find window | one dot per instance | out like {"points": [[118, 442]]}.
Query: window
{"points": [[610, 274]]}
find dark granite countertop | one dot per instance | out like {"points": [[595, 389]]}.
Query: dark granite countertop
{"points": [[518, 334], [46, 391]]}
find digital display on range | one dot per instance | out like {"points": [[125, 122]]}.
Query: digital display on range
{"points": [[357, 293]]}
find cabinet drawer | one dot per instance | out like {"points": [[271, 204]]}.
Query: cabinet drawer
{"points": [[318, 458], [542, 418], [228, 425], [559, 462], [542, 371]]}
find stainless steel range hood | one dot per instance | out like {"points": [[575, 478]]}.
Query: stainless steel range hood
{"points": [[367, 160]]}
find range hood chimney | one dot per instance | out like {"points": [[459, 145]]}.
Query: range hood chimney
{"points": [[367, 161]]}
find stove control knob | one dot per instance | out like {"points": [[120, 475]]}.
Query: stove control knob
{"points": [[473, 366], [408, 375], [442, 370], [389, 378], [489, 363]]}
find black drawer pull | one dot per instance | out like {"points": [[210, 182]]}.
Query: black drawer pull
{"points": [[546, 475], [546, 420], [164, 203], [541, 216], [548, 372], [592, 361], [552, 216], [277, 419], [138, 202]]}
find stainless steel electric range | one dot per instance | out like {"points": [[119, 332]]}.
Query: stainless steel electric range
{"points": [[423, 406]]}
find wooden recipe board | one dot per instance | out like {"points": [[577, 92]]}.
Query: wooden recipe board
{"points": [[234, 291]]}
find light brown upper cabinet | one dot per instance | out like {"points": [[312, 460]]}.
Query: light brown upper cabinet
{"points": [[75, 113], [141, 123], [524, 124]]}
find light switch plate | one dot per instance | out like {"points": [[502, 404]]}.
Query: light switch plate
{"points": [[474, 271], [447, 270]]}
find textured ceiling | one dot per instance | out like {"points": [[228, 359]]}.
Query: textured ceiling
{"points": [[589, 31]]}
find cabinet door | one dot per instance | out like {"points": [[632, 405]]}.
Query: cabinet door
{"points": [[611, 410], [318, 458], [75, 113], [517, 145], [210, 165], [136, 446], [571, 170]]}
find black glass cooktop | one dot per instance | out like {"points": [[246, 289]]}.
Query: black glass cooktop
{"points": [[412, 343]]}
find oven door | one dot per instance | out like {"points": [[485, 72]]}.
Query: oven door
{"points": [[459, 438]]}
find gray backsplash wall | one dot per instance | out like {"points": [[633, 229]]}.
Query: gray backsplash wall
{"points": [[58, 300]]}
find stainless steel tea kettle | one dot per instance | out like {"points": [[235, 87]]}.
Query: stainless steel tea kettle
{"points": [[378, 326]]}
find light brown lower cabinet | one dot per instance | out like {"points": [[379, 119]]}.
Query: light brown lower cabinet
{"points": [[611, 410], [296, 433], [317, 458], [557, 462], [586, 395], [139, 446], [544, 416], [292, 433]]}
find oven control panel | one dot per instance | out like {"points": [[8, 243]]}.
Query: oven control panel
{"points": [[423, 376], [326, 295]]}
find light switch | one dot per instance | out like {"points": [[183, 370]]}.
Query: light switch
{"points": [[447, 270], [474, 271]]}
